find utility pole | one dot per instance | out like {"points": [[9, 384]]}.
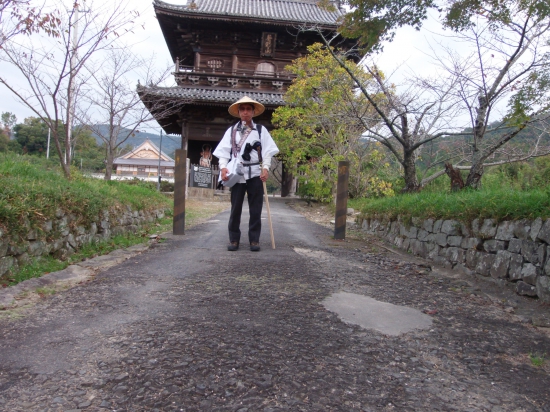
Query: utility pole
{"points": [[160, 156], [48, 147], [71, 99]]}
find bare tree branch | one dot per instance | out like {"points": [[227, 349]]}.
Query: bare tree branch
{"points": [[53, 72]]}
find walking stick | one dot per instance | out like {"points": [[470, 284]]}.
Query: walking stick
{"points": [[259, 149]]}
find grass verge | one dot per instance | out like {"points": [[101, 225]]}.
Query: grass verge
{"points": [[466, 205], [34, 191]]}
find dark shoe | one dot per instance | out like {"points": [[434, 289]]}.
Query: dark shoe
{"points": [[233, 246], [254, 246]]}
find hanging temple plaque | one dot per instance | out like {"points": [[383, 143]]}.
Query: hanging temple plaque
{"points": [[268, 44]]}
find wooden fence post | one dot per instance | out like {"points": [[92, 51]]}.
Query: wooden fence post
{"points": [[341, 200], [180, 185]]}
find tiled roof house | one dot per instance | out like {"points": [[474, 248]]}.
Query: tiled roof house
{"points": [[144, 161]]}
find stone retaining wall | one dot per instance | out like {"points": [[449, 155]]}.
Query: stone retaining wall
{"points": [[63, 235], [515, 251]]}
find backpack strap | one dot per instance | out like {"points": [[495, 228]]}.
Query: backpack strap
{"points": [[233, 141], [259, 127]]}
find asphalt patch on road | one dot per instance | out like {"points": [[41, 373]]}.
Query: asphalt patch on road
{"points": [[372, 314]]}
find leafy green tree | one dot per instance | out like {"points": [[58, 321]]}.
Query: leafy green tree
{"points": [[87, 153], [32, 136], [508, 62], [373, 22], [320, 126], [9, 120], [4, 141], [14, 147]]}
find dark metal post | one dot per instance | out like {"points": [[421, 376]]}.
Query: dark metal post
{"points": [[180, 185], [341, 200]]}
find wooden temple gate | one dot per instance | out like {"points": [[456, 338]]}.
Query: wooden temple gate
{"points": [[224, 50]]}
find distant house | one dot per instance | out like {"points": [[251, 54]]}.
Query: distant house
{"points": [[144, 161]]}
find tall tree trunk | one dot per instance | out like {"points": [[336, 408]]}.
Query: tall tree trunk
{"points": [[409, 166], [457, 183], [476, 172], [109, 164], [56, 141], [286, 183], [66, 170]]}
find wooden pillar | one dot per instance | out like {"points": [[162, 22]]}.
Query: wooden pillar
{"points": [[234, 64], [341, 200], [197, 60], [180, 184]]}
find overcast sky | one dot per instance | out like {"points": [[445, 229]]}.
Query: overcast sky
{"points": [[146, 41], [407, 52]]}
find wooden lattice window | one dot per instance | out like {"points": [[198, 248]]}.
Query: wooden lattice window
{"points": [[215, 64]]}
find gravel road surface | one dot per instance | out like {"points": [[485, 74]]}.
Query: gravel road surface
{"points": [[189, 326]]}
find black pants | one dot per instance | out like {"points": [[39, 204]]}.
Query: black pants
{"points": [[254, 189]]}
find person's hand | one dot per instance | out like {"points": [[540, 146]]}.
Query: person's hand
{"points": [[264, 175], [224, 172]]}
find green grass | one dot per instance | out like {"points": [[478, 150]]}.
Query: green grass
{"points": [[509, 192], [45, 291], [466, 205], [33, 190], [36, 268], [537, 359]]}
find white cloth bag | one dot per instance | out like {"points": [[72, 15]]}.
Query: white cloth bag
{"points": [[235, 172]]}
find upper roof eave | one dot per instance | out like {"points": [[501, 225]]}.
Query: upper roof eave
{"points": [[182, 11]]}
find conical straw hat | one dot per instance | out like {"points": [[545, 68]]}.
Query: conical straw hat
{"points": [[258, 107]]}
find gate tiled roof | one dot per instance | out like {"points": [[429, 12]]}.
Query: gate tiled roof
{"points": [[213, 96], [292, 11]]}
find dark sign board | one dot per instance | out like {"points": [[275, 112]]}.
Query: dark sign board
{"points": [[201, 177]]}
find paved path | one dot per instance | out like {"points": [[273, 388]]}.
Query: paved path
{"points": [[188, 326]]}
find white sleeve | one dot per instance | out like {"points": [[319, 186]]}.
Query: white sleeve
{"points": [[223, 149], [269, 148], [223, 161]]}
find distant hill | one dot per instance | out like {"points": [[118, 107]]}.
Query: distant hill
{"points": [[169, 143]]}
